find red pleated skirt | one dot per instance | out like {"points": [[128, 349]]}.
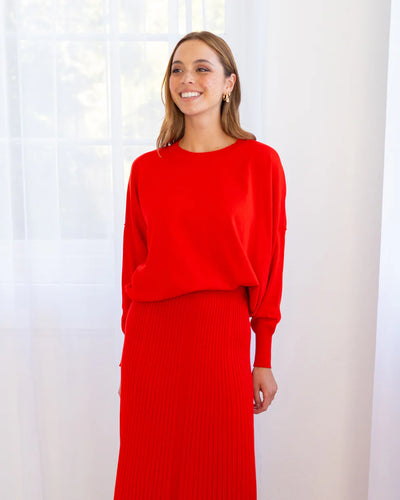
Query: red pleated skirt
{"points": [[186, 407]]}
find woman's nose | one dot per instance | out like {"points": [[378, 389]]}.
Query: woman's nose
{"points": [[187, 77]]}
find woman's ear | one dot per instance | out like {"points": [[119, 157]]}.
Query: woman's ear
{"points": [[232, 79]]}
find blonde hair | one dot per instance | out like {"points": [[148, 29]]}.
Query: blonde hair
{"points": [[173, 126]]}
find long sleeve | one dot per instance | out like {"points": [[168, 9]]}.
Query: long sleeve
{"points": [[268, 314], [134, 240]]}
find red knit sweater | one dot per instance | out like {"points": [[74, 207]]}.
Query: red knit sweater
{"points": [[208, 221]]}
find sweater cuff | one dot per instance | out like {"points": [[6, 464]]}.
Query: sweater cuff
{"points": [[263, 334]]}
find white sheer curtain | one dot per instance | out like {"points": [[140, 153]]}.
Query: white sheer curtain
{"points": [[384, 479], [80, 99]]}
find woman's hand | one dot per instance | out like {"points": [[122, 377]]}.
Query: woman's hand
{"points": [[119, 390], [263, 381]]}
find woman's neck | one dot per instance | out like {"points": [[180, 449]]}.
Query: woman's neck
{"points": [[201, 137]]}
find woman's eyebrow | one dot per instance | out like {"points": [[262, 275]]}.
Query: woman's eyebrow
{"points": [[196, 61]]}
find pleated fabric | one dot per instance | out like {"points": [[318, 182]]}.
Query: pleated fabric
{"points": [[186, 406]]}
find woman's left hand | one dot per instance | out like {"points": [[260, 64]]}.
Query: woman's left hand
{"points": [[263, 381]]}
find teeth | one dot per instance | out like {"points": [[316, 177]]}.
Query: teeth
{"points": [[190, 94]]}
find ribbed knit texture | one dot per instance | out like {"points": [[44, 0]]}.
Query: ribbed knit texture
{"points": [[186, 414]]}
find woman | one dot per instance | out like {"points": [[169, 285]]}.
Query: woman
{"points": [[203, 251]]}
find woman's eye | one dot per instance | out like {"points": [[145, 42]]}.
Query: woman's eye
{"points": [[175, 70]]}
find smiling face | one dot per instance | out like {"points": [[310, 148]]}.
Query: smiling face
{"points": [[197, 81]]}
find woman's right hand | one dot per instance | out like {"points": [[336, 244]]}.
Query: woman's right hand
{"points": [[119, 390]]}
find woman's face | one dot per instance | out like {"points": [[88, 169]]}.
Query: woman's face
{"points": [[197, 69]]}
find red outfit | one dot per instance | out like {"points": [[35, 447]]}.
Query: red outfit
{"points": [[186, 417], [203, 250], [208, 221]]}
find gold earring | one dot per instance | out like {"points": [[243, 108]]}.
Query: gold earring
{"points": [[226, 97]]}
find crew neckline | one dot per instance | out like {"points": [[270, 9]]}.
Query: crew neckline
{"points": [[207, 152]]}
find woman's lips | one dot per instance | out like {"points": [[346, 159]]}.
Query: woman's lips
{"points": [[192, 98]]}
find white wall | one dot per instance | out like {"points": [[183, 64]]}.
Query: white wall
{"points": [[324, 103]]}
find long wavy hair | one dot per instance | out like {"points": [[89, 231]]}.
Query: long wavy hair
{"points": [[173, 126]]}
